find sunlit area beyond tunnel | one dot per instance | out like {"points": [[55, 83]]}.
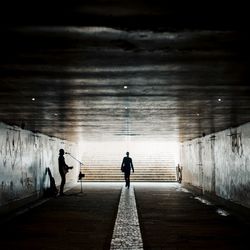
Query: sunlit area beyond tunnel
{"points": [[153, 161]]}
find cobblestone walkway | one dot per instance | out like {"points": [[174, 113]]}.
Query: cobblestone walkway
{"points": [[126, 234]]}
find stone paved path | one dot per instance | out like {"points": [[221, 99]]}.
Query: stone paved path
{"points": [[127, 233]]}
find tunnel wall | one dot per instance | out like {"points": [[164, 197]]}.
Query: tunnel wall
{"points": [[220, 164], [24, 157]]}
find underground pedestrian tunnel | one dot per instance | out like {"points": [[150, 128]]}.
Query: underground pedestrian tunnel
{"points": [[168, 82]]}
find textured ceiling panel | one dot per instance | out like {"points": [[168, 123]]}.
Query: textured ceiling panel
{"points": [[147, 70]]}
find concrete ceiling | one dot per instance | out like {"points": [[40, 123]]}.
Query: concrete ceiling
{"points": [[186, 69]]}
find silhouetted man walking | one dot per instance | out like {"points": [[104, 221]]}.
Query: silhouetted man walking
{"points": [[126, 166]]}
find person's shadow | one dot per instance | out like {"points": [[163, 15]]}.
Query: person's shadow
{"points": [[51, 190]]}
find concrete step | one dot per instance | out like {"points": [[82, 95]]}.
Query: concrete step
{"points": [[159, 177], [142, 173], [136, 171]]}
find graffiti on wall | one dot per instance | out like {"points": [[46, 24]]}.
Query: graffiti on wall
{"points": [[11, 149], [23, 157], [27, 181]]}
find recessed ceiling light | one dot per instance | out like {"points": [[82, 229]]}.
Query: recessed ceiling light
{"points": [[33, 99], [219, 100], [55, 114], [125, 86], [126, 107], [197, 114]]}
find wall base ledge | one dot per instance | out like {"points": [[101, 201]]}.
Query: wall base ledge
{"points": [[18, 207], [235, 209]]}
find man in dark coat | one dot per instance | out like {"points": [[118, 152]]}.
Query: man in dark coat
{"points": [[126, 167], [63, 169]]}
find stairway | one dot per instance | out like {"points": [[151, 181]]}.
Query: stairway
{"points": [[156, 173], [153, 162]]}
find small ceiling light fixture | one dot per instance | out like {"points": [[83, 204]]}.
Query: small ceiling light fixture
{"points": [[219, 100], [125, 86], [198, 114], [55, 114], [33, 99], [126, 107]]}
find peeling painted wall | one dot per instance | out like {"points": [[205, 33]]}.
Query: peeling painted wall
{"points": [[24, 157], [220, 164]]}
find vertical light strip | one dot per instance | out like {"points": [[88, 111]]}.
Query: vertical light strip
{"points": [[127, 234], [127, 130]]}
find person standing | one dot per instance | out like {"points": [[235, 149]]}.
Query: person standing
{"points": [[63, 169], [179, 173], [126, 167]]}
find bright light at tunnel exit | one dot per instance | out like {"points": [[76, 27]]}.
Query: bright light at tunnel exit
{"points": [[142, 152]]}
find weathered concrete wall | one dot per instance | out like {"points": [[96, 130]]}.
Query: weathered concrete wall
{"points": [[220, 164], [24, 157]]}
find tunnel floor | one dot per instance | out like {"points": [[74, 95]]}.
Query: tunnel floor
{"points": [[170, 217]]}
